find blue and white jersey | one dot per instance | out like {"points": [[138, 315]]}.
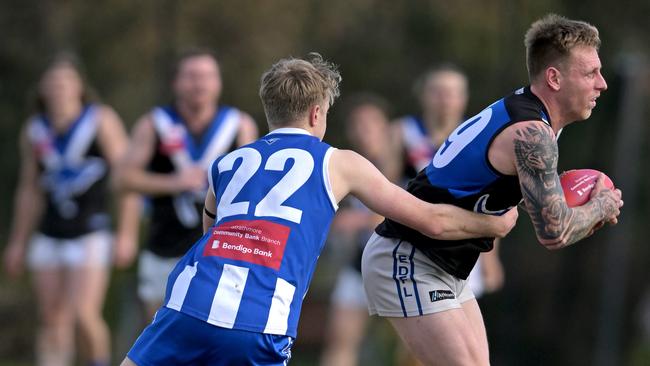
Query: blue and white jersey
{"points": [[460, 173], [418, 147], [183, 148], [73, 175], [251, 270]]}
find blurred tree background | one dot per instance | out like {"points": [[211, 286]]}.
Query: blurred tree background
{"points": [[550, 310]]}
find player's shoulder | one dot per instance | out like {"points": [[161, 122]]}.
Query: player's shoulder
{"points": [[531, 133], [32, 119], [143, 128], [523, 105], [247, 122], [245, 116], [347, 159], [227, 108], [106, 115], [146, 120], [532, 128], [32, 122], [102, 109], [401, 119], [407, 121]]}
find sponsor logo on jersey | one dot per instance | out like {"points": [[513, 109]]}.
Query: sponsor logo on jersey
{"points": [[438, 295], [271, 140], [174, 140], [255, 241], [481, 207]]}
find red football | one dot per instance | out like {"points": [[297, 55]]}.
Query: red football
{"points": [[578, 183]]}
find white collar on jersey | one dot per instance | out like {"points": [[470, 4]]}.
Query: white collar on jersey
{"points": [[290, 130]]}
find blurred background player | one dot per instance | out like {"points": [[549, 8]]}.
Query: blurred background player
{"points": [[67, 151], [170, 150], [368, 131], [442, 96]]}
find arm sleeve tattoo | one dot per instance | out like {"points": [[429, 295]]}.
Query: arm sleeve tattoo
{"points": [[536, 155]]}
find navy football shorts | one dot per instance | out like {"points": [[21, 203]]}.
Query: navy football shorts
{"points": [[174, 338]]}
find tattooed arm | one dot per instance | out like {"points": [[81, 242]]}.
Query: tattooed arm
{"points": [[556, 224]]}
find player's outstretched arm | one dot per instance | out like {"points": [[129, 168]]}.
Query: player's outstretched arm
{"points": [[556, 224], [351, 173], [113, 141]]}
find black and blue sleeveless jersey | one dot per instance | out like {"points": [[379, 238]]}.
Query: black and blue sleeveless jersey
{"points": [[73, 173], [460, 174]]}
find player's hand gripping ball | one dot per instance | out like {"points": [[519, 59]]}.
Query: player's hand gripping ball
{"points": [[578, 183]]}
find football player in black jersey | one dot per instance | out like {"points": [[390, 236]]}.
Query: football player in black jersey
{"points": [[68, 150], [488, 164], [167, 160]]}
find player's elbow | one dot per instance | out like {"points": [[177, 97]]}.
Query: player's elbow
{"points": [[435, 229], [122, 179]]}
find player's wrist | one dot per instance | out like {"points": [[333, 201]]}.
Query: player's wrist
{"points": [[502, 227], [607, 205]]}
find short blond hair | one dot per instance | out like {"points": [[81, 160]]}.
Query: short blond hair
{"points": [[550, 40], [292, 86]]}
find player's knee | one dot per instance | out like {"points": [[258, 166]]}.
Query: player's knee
{"points": [[55, 318], [459, 359], [89, 318], [344, 338], [475, 356], [468, 354]]}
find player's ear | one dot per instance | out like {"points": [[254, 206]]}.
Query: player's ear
{"points": [[315, 115], [553, 78]]}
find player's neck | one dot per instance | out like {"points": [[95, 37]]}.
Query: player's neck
{"points": [[63, 115], [292, 126], [558, 121], [196, 117]]}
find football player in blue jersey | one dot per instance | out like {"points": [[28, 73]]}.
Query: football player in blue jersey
{"points": [[235, 297], [68, 151], [488, 164], [170, 149]]}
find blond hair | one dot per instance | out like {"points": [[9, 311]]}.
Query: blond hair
{"points": [[292, 86], [550, 40]]}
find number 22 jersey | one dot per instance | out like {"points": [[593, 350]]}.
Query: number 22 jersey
{"points": [[251, 270], [460, 174]]}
